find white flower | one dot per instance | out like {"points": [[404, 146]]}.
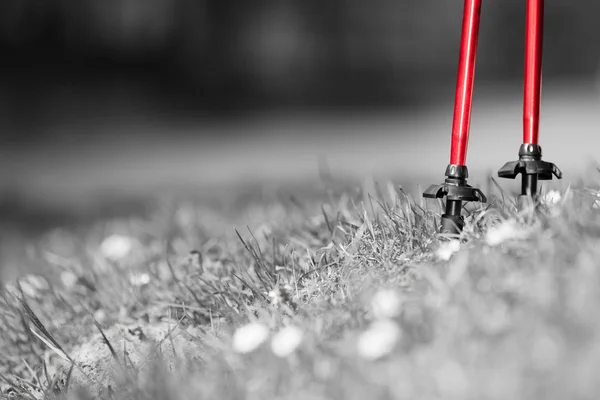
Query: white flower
{"points": [[447, 249], [100, 316], [116, 247], [68, 279], [249, 337], [507, 230], [552, 200], [552, 197], [32, 285], [280, 294], [139, 279], [379, 340], [386, 304], [286, 341]]}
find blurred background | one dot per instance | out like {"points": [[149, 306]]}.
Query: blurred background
{"points": [[105, 102]]}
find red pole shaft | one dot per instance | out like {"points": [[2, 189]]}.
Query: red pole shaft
{"points": [[464, 82], [533, 71]]}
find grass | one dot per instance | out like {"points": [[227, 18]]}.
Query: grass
{"points": [[350, 297]]}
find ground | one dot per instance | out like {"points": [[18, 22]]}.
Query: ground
{"points": [[349, 295]]}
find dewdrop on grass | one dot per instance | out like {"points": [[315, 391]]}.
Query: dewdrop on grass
{"points": [[139, 279], [379, 340], [116, 247], [249, 337], [386, 304], [286, 341]]}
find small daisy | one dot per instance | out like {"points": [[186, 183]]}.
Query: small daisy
{"points": [[100, 316], [386, 304], [249, 337], [447, 249], [116, 247], [68, 279], [379, 340], [552, 200], [552, 197], [139, 279], [507, 230], [286, 341], [280, 295], [33, 285]]}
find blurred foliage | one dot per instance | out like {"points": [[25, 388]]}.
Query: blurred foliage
{"points": [[306, 52]]}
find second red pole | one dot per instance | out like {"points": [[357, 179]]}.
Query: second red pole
{"points": [[530, 164]]}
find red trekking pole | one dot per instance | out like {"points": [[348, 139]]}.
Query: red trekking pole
{"points": [[530, 164], [455, 187]]}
